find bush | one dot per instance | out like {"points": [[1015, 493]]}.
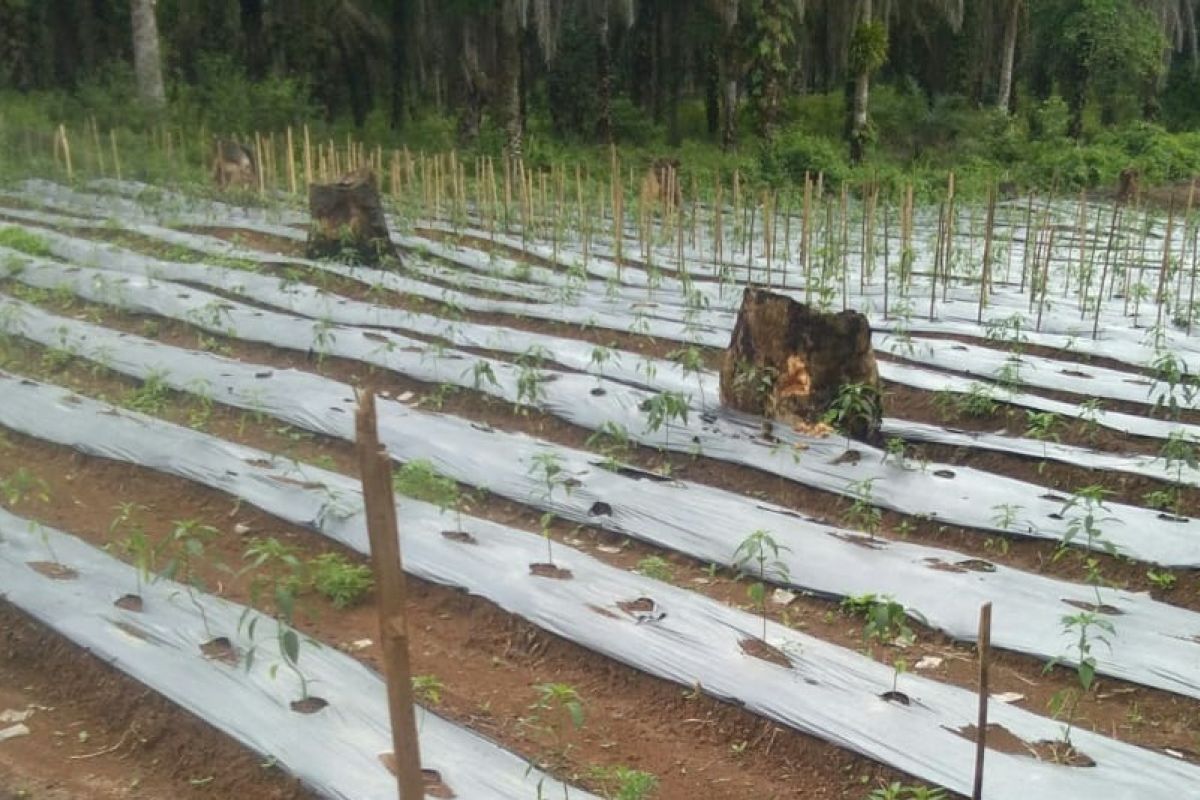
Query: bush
{"points": [[795, 152]]}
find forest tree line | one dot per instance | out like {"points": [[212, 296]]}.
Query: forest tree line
{"points": [[591, 66]]}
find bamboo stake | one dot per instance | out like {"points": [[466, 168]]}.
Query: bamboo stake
{"points": [[806, 237], [937, 257], [112, 139], [985, 647], [845, 246], [985, 272], [66, 149], [1192, 290], [1045, 282], [391, 589], [258, 160], [1161, 295], [99, 148]]}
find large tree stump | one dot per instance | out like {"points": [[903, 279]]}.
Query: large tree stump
{"points": [[1128, 184], [789, 361], [233, 165], [347, 217]]}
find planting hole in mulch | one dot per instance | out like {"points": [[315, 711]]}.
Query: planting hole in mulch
{"points": [[309, 705], [1003, 740], [1062, 754], [757, 648], [220, 649], [600, 509], [848, 457], [966, 565], [1165, 517], [132, 630], [634, 472], [1053, 498], [544, 570], [604, 612], [261, 463], [896, 697], [642, 609], [599, 392], [1074, 373], [460, 536], [1137, 382], [129, 602], [1102, 608], [266, 374], [53, 570], [860, 541], [434, 785], [943, 473]]}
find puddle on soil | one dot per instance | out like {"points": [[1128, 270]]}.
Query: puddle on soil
{"points": [[757, 648], [543, 570], [309, 705], [129, 602], [53, 570], [220, 649]]}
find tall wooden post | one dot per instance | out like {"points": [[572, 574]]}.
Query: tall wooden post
{"points": [[390, 588], [985, 646]]}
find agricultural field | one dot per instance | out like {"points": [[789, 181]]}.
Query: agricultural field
{"points": [[618, 587]]}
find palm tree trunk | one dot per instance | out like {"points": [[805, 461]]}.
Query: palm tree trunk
{"points": [[862, 98], [147, 62], [604, 80], [399, 62], [509, 54], [1004, 97], [729, 76]]}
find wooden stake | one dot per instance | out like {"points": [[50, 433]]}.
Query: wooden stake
{"points": [[66, 147], [985, 272], [390, 585], [112, 139], [985, 646]]}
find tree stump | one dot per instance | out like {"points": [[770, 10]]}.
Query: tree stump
{"points": [[234, 165], [1127, 186], [789, 361], [347, 217]]}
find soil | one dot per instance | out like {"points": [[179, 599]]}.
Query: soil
{"points": [[96, 734]]}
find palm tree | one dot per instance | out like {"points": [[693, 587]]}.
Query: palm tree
{"points": [[1004, 95], [147, 62]]}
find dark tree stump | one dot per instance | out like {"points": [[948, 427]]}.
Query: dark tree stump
{"points": [[347, 216], [789, 361], [233, 165], [1128, 185]]}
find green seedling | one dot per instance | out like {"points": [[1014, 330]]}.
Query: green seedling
{"points": [[863, 513], [758, 557], [1161, 579], [420, 480], [334, 577], [856, 408], [183, 549], [622, 783], [136, 544], [1080, 626], [22, 485], [657, 568]]}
